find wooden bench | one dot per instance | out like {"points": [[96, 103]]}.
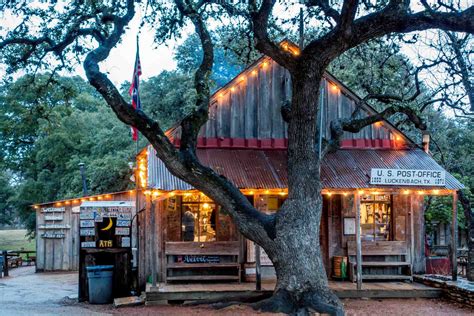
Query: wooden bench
{"points": [[226, 251], [15, 261], [385, 260]]}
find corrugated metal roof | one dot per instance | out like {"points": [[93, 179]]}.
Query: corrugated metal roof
{"points": [[267, 169]]}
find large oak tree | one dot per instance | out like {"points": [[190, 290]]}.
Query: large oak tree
{"points": [[91, 29]]}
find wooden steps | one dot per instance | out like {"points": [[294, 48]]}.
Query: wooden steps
{"points": [[215, 291], [385, 277], [384, 264]]}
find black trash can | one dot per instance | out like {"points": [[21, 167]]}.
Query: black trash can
{"points": [[100, 284]]}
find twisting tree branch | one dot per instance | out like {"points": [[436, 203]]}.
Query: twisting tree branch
{"points": [[259, 19], [355, 125]]}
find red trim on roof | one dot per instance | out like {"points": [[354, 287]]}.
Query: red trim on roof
{"points": [[282, 143]]}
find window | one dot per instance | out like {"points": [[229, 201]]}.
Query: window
{"points": [[376, 217], [202, 220]]}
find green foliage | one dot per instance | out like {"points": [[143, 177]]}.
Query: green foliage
{"points": [[56, 125]]}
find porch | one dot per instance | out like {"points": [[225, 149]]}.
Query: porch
{"points": [[163, 293]]}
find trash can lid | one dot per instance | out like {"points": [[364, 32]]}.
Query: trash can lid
{"points": [[99, 268]]}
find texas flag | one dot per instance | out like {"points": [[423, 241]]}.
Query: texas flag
{"points": [[133, 91]]}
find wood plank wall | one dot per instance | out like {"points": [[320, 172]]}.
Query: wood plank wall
{"points": [[56, 254], [249, 107], [62, 254]]}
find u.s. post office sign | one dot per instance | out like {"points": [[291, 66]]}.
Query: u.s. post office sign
{"points": [[408, 177]]}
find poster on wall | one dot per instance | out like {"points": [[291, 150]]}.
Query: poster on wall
{"points": [[349, 226]]}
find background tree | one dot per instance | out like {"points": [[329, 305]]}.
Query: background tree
{"points": [[291, 236]]}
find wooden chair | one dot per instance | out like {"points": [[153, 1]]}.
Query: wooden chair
{"points": [[381, 260]]}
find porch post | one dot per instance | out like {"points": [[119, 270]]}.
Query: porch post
{"points": [[454, 238], [412, 235], [358, 242], [258, 269], [153, 243]]}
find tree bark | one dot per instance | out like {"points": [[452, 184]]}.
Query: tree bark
{"points": [[302, 284], [468, 214]]}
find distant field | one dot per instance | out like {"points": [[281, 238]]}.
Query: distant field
{"points": [[15, 240]]}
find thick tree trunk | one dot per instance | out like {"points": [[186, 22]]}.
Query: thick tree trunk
{"points": [[466, 205], [302, 284]]}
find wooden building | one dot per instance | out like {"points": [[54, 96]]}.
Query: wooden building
{"points": [[186, 236], [58, 227], [374, 187]]}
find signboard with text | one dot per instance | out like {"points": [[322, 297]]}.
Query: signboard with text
{"points": [[408, 177]]}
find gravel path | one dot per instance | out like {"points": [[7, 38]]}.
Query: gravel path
{"points": [[27, 293]]}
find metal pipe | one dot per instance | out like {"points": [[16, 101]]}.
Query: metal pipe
{"points": [[83, 176]]}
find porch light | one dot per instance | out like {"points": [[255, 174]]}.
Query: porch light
{"points": [[361, 192], [173, 193], [36, 207], [254, 72], [75, 201], [334, 87], [267, 192], [406, 192], [345, 193], [436, 192], [421, 192], [264, 64], [156, 193], [147, 192], [329, 193], [58, 204], [187, 194], [232, 89], [251, 192], [282, 193], [67, 202]]}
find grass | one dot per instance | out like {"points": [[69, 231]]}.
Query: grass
{"points": [[15, 239]]}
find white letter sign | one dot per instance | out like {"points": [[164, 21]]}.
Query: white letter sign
{"points": [[411, 177]]}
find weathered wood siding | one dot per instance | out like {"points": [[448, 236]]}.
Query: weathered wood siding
{"points": [[56, 254], [249, 106], [62, 254]]}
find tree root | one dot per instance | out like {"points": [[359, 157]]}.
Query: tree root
{"points": [[282, 301], [315, 301]]}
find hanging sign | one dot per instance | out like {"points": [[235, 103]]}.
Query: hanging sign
{"points": [[88, 214], [53, 235], [54, 226], [125, 242], [53, 210], [122, 231], [123, 223], [88, 244], [409, 177], [58, 217], [88, 223], [87, 232]]}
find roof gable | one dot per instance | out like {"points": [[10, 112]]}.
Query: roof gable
{"points": [[245, 113]]}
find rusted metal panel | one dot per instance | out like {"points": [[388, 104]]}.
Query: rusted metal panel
{"points": [[267, 169]]}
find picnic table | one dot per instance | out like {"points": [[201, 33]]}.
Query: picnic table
{"points": [[15, 259]]}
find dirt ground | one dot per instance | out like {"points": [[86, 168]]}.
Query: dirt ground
{"points": [[29, 293]]}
